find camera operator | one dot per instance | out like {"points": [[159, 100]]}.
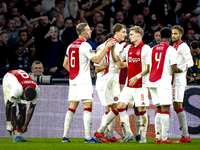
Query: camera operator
{"points": [[36, 70]]}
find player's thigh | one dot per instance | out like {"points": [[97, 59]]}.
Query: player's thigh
{"points": [[112, 92], [126, 96], [165, 96], [154, 95], [178, 93], [101, 97], [141, 97]]}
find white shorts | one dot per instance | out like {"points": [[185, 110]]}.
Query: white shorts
{"points": [[137, 96], [161, 96], [111, 91], [178, 93], [80, 92], [6, 91], [99, 89]]}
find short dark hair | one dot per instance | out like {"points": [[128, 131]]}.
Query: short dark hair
{"points": [[195, 44], [165, 32], [179, 28], [158, 28], [36, 62], [117, 27], [58, 1], [69, 18], [30, 93], [19, 33]]}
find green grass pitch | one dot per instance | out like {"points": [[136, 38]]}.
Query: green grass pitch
{"points": [[78, 144]]}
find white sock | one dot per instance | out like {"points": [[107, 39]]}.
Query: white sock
{"points": [[158, 125], [19, 133], [111, 127], [109, 118], [144, 121], [87, 119], [124, 119], [137, 123], [14, 133], [165, 124], [183, 122], [123, 129], [68, 121]]}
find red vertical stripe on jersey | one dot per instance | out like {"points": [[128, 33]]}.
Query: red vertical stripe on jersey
{"points": [[73, 56], [107, 56], [135, 64], [157, 61], [24, 78]]}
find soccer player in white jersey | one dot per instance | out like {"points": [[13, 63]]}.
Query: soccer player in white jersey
{"points": [[111, 88], [77, 61], [162, 62], [135, 56], [18, 89], [184, 61]]}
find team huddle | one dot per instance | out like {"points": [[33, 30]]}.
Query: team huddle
{"points": [[161, 69]]}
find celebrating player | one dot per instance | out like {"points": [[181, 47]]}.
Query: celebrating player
{"points": [[185, 61], [77, 61], [18, 88]]}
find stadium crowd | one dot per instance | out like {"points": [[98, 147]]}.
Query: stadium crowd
{"points": [[26, 36], [56, 35]]}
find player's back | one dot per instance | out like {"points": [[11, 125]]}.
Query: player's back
{"points": [[160, 59], [79, 54]]}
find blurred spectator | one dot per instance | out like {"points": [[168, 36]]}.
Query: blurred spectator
{"points": [[189, 36], [127, 7], [54, 53], [3, 7], [12, 31], [140, 21], [145, 10], [10, 4], [157, 37], [59, 21], [3, 50], [58, 8], [15, 11], [194, 72], [48, 4], [99, 27], [149, 34], [98, 16], [39, 32], [37, 10], [68, 34], [37, 69], [20, 52], [2, 20], [101, 38]]}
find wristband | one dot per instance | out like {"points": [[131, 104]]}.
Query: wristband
{"points": [[138, 75]]}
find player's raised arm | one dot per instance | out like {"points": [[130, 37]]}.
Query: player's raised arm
{"points": [[117, 60], [97, 59]]}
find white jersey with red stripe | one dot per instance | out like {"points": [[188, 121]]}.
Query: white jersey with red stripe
{"points": [[79, 54], [136, 58], [14, 84], [160, 59], [100, 74], [112, 72], [184, 58]]}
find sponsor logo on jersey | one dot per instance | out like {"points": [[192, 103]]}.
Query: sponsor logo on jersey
{"points": [[134, 60], [138, 53], [159, 48]]}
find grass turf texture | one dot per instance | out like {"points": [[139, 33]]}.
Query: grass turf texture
{"points": [[78, 144]]}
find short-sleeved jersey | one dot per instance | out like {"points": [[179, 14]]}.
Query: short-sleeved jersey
{"points": [[184, 58], [112, 71], [160, 59], [79, 54], [100, 74], [18, 81], [136, 58]]}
